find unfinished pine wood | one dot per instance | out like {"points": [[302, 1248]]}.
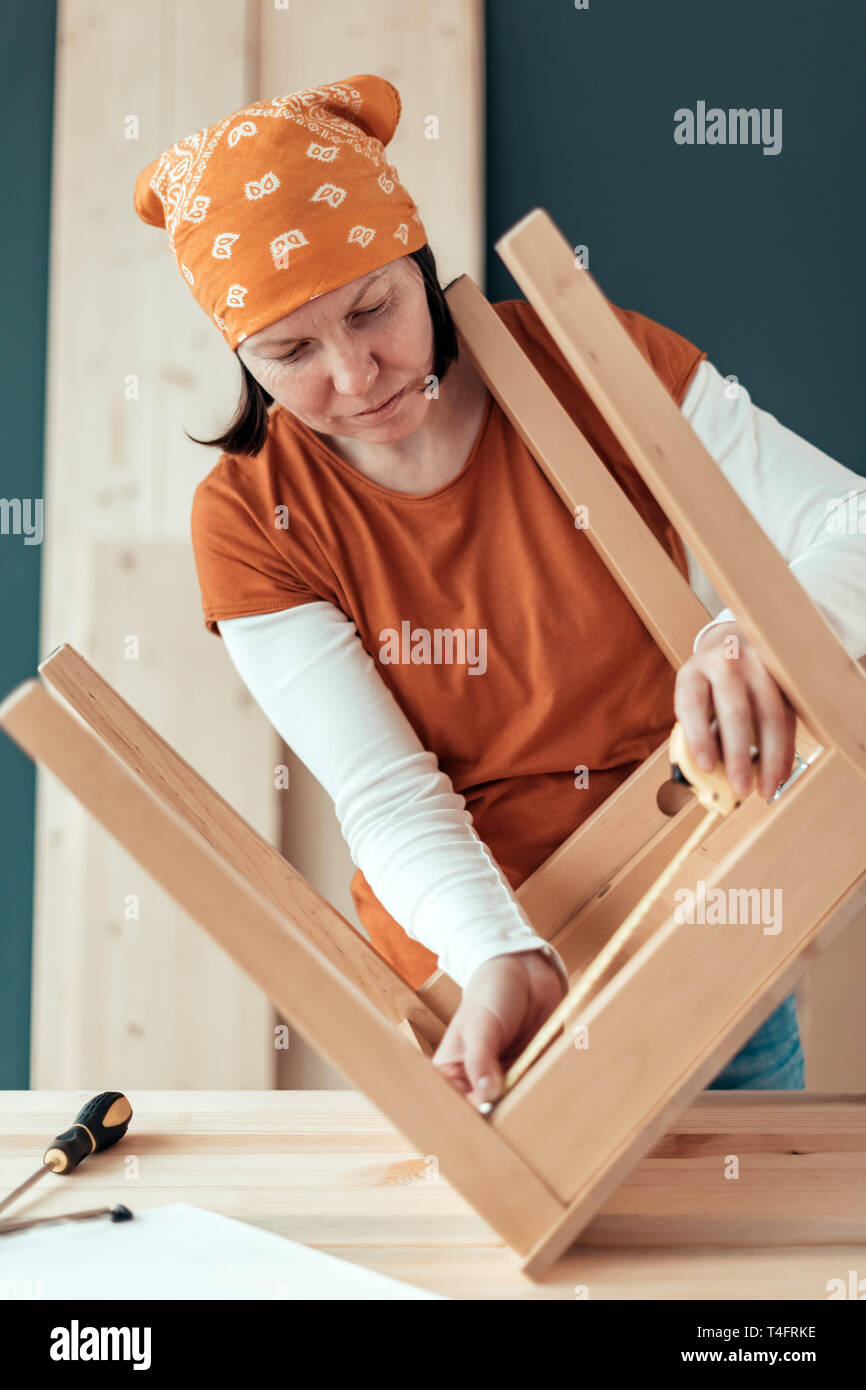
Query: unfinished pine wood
{"points": [[416, 1037], [647, 575], [801, 1166], [112, 933], [123, 381], [669, 1021], [595, 920], [278, 956], [832, 1018], [171, 777], [793, 639], [329, 1169], [623, 845], [581, 893]]}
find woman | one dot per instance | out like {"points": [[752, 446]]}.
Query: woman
{"points": [[404, 594]]}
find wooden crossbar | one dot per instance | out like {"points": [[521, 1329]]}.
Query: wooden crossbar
{"points": [[790, 634], [162, 768], [275, 950], [644, 570]]}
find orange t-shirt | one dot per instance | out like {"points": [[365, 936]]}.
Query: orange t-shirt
{"points": [[571, 677]]}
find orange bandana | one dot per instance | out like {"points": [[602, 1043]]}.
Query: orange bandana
{"points": [[283, 201]]}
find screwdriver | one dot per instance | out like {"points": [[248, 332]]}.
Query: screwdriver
{"points": [[98, 1125]]}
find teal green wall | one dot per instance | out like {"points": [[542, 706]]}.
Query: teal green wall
{"points": [[26, 110], [756, 258]]}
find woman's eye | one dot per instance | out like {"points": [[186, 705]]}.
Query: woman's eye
{"points": [[362, 313]]}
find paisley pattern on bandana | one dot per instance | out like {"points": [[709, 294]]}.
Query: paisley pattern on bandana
{"points": [[283, 235]]}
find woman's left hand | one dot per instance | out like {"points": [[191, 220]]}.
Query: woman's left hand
{"points": [[730, 679]]}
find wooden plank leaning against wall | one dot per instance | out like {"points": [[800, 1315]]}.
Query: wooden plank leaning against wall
{"points": [[125, 985], [433, 53]]}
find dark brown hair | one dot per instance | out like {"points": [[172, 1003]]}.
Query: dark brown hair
{"points": [[248, 430]]}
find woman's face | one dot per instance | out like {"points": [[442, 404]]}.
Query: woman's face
{"points": [[349, 350]]}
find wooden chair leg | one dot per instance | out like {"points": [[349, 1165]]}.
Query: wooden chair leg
{"points": [[274, 946], [171, 777]]}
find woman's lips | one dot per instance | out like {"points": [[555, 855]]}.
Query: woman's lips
{"points": [[382, 409]]}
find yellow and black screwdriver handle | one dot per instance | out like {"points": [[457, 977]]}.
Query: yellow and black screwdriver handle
{"points": [[98, 1125]]}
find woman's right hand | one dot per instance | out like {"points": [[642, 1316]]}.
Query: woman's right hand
{"points": [[504, 1004]]}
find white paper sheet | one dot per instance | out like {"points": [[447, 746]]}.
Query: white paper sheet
{"points": [[175, 1252]]}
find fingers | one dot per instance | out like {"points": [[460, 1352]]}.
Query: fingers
{"points": [[453, 1072], [693, 708], [734, 717], [749, 708], [503, 1005], [776, 723], [468, 1055], [483, 1042], [448, 1056]]}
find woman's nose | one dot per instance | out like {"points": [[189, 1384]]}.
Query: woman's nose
{"points": [[352, 371]]}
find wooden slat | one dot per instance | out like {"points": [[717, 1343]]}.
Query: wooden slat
{"points": [[647, 575], [442, 994], [277, 955], [416, 1037], [686, 1002], [123, 383], [585, 933], [793, 639], [171, 777]]}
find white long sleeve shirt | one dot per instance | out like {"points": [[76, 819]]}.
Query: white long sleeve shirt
{"points": [[406, 827]]}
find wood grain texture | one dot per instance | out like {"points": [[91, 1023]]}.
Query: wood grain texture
{"points": [[328, 1169], [793, 639], [116, 959], [125, 377], [647, 575], [191, 796], [685, 1003], [277, 955]]}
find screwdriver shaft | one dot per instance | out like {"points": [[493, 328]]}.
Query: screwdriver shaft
{"points": [[34, 1177]]}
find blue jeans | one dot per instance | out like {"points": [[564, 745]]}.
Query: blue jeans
{"points": [[772, 1059]]}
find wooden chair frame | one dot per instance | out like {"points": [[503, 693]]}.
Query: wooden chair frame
{"points": [[682, 999]]}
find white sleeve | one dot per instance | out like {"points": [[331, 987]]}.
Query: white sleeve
{"points": [[806, 502], [406, 827]]}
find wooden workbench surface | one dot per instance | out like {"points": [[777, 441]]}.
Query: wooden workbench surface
{"points": [[326, 1168]]}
